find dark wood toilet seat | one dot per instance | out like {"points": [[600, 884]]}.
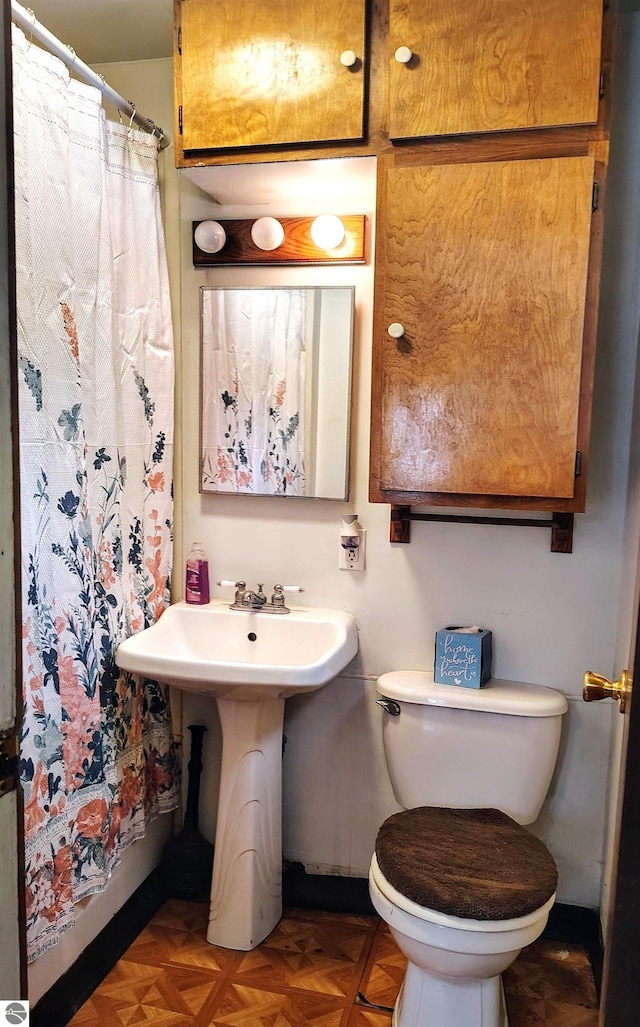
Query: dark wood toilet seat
{"points": [[473, 863]]}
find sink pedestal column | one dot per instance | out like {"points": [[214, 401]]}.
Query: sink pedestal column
{"points": [[246, 888]]}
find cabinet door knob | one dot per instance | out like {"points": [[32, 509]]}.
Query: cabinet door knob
{"points": [[403, 55], [395, 330], [348, 58]]}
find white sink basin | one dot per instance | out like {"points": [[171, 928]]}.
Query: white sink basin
{"points": [[258, 659], [242, 655]]}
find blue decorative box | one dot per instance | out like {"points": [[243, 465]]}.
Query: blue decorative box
{"points": [[463, 657]]}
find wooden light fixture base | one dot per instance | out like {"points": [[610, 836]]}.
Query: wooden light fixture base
{"points": [[296, 248]]}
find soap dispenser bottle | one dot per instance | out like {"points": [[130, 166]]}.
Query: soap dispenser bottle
{"points": [[197, 576]]}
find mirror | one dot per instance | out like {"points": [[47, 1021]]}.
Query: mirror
{"points": [[275, 391]]}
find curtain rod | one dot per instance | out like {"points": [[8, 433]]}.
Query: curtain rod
{"points": [[25, 17]]}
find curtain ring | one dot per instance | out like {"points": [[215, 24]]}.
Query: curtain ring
{"points": [[155, 130], [133, 114]]}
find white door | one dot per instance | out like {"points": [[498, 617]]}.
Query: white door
{"points": [[621, 982], [12, 979]]}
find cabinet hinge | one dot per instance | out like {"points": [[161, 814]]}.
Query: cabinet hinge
{"points": [[595, 197], [180, 40], [578, 471], [603, 84], [8, 763], [180, 118]]}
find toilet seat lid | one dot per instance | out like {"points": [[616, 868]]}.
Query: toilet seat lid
{"points": [[469, 863]]}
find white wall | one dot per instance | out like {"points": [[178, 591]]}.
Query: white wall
{"points": [[10, 983]]}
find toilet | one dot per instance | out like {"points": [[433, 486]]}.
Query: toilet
{"points": [[462, 884]]}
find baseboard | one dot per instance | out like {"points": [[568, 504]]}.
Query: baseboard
{"points": [[63, 1000], [325, 891]]}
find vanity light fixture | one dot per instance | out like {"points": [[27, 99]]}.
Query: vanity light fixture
{"points": [[210, 236], [327, 231], [267, 233], [323, 239]]}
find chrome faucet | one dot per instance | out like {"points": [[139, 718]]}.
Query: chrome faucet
{"points": [[256, 601], [249, 599]]}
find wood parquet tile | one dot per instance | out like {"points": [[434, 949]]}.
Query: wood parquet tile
{"points": [[551, 984], [317, 956], [360, 1017], [384, 971], [239, 1005], [159, 945], [346, 919], [314, 970], [134, 993]]}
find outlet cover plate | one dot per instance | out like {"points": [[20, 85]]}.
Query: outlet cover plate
{"points": [[345, 558]]}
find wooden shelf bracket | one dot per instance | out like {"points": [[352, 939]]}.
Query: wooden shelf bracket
{"points": [[561, 525]]}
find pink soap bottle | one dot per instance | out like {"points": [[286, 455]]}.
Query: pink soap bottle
{"points": [[197, 578]]}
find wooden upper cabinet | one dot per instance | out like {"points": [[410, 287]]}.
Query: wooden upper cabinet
{"points": [[492, 65], [484, 267], [269, 72]]}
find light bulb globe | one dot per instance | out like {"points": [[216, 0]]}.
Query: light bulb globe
{"points": [[267, 233], [327, 231], [210, 236]]}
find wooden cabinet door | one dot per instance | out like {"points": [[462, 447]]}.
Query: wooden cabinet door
{"points": [[485, 267], [493, 65], [268, 72]]}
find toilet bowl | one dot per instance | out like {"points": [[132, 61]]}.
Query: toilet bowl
{"points": [[454, 964], [462, 886]]}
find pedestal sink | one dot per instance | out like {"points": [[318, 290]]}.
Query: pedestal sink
{"points": [[250, 662]]}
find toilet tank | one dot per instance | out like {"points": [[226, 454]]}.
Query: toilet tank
{"points": [[470, 747]]}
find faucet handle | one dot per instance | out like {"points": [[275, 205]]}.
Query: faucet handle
{"points": [[239, 586], [277, 599]]}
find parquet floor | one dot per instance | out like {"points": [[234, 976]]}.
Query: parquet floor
{"points": [[312, 971]]}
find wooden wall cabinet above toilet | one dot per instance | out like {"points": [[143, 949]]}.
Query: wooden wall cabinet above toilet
{"points": [[270, 72], [488, 251], [351, 77], [482, 379], [478, 67]]}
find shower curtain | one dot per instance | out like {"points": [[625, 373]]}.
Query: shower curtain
{"points": [[96, 437], [253, 423]]}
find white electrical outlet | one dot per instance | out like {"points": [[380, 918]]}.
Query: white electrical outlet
{"points": [[352, 556]]}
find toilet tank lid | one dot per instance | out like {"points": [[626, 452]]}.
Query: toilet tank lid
{"points": [[516, 698]]}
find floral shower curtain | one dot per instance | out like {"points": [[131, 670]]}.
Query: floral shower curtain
{"points": [[96, 439], [253, 417]]}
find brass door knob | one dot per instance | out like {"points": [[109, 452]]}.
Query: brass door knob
{"points": [[596, 687]]}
